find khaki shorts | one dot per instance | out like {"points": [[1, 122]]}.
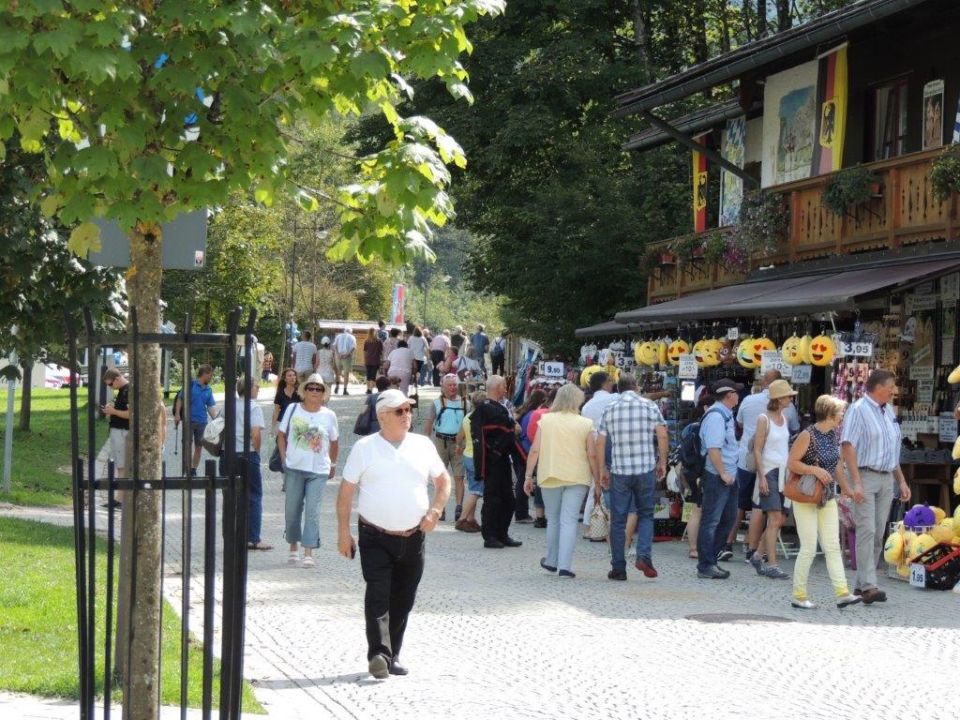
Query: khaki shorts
{"points": [[345, 365], [302, 376], [449, 455], [118, 447]]}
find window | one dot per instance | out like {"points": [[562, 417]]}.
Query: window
{"points": [[889, 120]]}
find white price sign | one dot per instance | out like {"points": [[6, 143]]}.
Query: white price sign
{"points": [[553, 369], [925, 392], [688, 369], [921, 372], [733, 333], [918, 575], [856, 349], [801, 374], [947, 428], [770, 360]]}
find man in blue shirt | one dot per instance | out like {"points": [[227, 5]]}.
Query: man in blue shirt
{"points": [[718, 484], [481, 343], [202, 407]]}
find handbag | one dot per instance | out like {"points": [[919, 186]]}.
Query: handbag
{"points": [[804, 488], [750, 461], [276, 464], [599, 527], [213, 436], [363, 423]]}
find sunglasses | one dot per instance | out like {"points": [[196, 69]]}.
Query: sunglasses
{"points": [[400, 412], [314, 388]]}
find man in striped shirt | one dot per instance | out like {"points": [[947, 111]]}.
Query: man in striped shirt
{"points": [[871, 451]]}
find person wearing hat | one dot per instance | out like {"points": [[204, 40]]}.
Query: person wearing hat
{"points": [[326, 364], [391, 469], [718, 484], [458, 339], [771, 448]]}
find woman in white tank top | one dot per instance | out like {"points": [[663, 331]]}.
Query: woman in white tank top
{"points": [[771, 448]]}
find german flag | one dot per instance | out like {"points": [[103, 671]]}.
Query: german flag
{"points": [[700, 188], [832, 95]]}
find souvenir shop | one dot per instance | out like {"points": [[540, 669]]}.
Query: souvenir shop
{"points": [[825, 333]]}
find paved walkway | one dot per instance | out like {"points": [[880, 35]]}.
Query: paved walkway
{"points": [[493, 636]]}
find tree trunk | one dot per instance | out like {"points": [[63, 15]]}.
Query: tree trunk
{"points": [[643, 42], [140, 686], [723, 16], [26, 394], [761, 18], [784, 20]]}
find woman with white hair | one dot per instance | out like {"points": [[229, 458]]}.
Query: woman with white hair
{"points": [[325, 365], [564, 450]]}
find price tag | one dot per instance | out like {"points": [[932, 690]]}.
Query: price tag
{"points": [[947, 428], [921, 372], [918, 575], [553, 369], [925, 392], [770, 360], [688, 369], [733, 333], [856, 349], [801, 374]]}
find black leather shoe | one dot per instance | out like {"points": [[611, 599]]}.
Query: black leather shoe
{"points": [[548, 568], [494, 544], [397, 669], [617, 575], [540, 523], [510, 542]]}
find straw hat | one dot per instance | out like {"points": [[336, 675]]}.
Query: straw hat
{"points": [[781, 389]]}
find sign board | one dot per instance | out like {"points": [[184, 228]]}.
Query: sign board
{"points": [[921, 372], [917, 302], [553, 369], [801, 374], [924, 392], [856, 349], [950, 288], [770, 360], [688, 369], [184, 244], [948, 428], [918, 575], [733, 333]]}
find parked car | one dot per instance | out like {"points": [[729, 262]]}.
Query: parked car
{"points": [[57, 376]]}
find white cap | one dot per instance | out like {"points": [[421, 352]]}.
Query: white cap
{"points": [[324, 340], [389, 399]]}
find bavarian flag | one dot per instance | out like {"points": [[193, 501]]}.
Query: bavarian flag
{"points": [[831, 111], [700, 187]]}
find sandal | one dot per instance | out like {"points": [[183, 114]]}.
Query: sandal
{"points": [[293, 557], [308, 561], [258, 546], [693, 555]]}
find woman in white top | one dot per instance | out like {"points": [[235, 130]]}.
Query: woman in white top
{"points": [[309, 443], [418, 346], [325, 366], [400, 365], [771, 448]]}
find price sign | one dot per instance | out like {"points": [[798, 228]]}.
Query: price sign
{"points": [[733, 333], [801, 374], [770, 360], [688, 368], [950, 288], [553, 369], [925, 392], [918, 575], [856, 349], [947, 428], [921, 372]]}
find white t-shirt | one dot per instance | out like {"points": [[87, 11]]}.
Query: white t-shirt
{"points": [[393, 480], [594, 407], [400, 361], [418, 346], [303, 353], [308, 438], [344, 343], [256, 420]]}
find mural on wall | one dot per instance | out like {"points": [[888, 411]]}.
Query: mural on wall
{"points": [[731, 186], [933, 114], [795, 142]]}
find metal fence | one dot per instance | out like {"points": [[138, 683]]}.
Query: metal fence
{"points": [[196, 490]]}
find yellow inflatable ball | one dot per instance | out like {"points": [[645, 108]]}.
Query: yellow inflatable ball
{"points": [[893, 549], [792, 351], [956, 482], [954, 376], [758, 347], [805, 348], [697, 350], [587, 373], [712, 353], [903, 571], [908, 538], [942, 533], [822, 351], [662, 353], [645, 353], [677, 348], [938, 514], [956, 518], [920, 545], [745, 354], [956, 449]]}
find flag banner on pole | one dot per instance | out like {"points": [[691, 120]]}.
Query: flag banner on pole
{"points": [[831, 111], [731, 186], [700, 187], [396, 308]]}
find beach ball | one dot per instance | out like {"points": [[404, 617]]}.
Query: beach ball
{"points": [[745, 354], [956, 518], [822, 350], [792, 351], [956, 482], [677, 348], [942, 533], [920, 545], [893, 549], [805, 348], [645, 353], [956, 449]]}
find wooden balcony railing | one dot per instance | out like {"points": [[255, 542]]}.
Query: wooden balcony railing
{"points": [[903, 211]]}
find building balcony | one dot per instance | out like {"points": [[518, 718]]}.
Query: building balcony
{"points": [[903, 211]]}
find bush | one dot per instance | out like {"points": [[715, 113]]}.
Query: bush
{"points": [[848, 188], [945, 173]]}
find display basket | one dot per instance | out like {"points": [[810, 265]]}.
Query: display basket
{"points": [[938, 568], [902, 572]]}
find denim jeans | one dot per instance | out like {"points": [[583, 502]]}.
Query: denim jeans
{"points": [[254, 493], [302, 510], [718, 513], [626, 490], [562, 505]]}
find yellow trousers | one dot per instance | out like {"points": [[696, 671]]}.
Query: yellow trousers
{"points": [[813, 522]]}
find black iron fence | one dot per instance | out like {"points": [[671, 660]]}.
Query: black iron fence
{"points": [[195, 488]]}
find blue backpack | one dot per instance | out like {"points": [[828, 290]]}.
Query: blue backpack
{"points": [[692, 457]]}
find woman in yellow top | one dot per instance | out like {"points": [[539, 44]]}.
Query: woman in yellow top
{"points": [[563, 447]]}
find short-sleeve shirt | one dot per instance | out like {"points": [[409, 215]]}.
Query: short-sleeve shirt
{"points": [[344, 343], [121, 401], [450, 413], [717, 431], [563, 450], [309, 435], [393, 481], [480, 343], [283, 400], [303, 353], [873, 431], [630, 424], [201, 398], [418, 346], [256, 420], [371, 352], [440, 343]]}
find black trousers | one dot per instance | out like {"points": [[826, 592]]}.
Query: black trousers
{"points": [[498, 500], [392, 567], [436, 357], [521, 508], [497, 363]]}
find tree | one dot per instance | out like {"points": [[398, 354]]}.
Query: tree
{"points": [[164, 107]]}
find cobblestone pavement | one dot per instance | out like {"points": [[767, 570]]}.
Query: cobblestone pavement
{"points": [[494, 636]]}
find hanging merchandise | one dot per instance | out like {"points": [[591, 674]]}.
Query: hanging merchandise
{"points": [[759, 346], [805, 348], [677, 348], [793, 351], [745, 354], [822, 350], [587, 372], [645, 353], [727, 353], [662, 352]]}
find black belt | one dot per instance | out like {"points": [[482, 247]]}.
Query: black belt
{"points": [[395, 533], [444, 437], [874, 470]]}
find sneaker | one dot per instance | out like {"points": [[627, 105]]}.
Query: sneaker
{"points": [[566, 574], [756, 561], [617, 575], [646, 567], [713, 573], [775, 573], [379, 667], [540, 523], [548, 568], [804, 604], [847, 600], [457, 512], [725, 555]]}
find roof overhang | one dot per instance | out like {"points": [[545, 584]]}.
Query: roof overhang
{"points": [[690, 124]]}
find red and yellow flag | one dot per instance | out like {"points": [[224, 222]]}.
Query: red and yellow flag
{"points": [[832, 95], [700, 188]]}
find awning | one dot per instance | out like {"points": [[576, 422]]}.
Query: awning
{"points": [[782, 297], [606, 328]]}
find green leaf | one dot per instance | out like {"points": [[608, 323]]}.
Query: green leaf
{"points": [[50, 204], [264, 194], [84, 239]]}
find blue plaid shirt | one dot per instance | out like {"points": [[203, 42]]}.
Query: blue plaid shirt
{"points": [[630, 425]]}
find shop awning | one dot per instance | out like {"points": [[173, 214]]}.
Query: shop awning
{"points": [[804, 294], [610, 327]]}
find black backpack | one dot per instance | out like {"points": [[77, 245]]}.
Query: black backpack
{"points": [[692, 457]]}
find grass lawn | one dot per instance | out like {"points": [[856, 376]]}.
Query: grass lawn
{"points": [[38, 629], [38, 454]]}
